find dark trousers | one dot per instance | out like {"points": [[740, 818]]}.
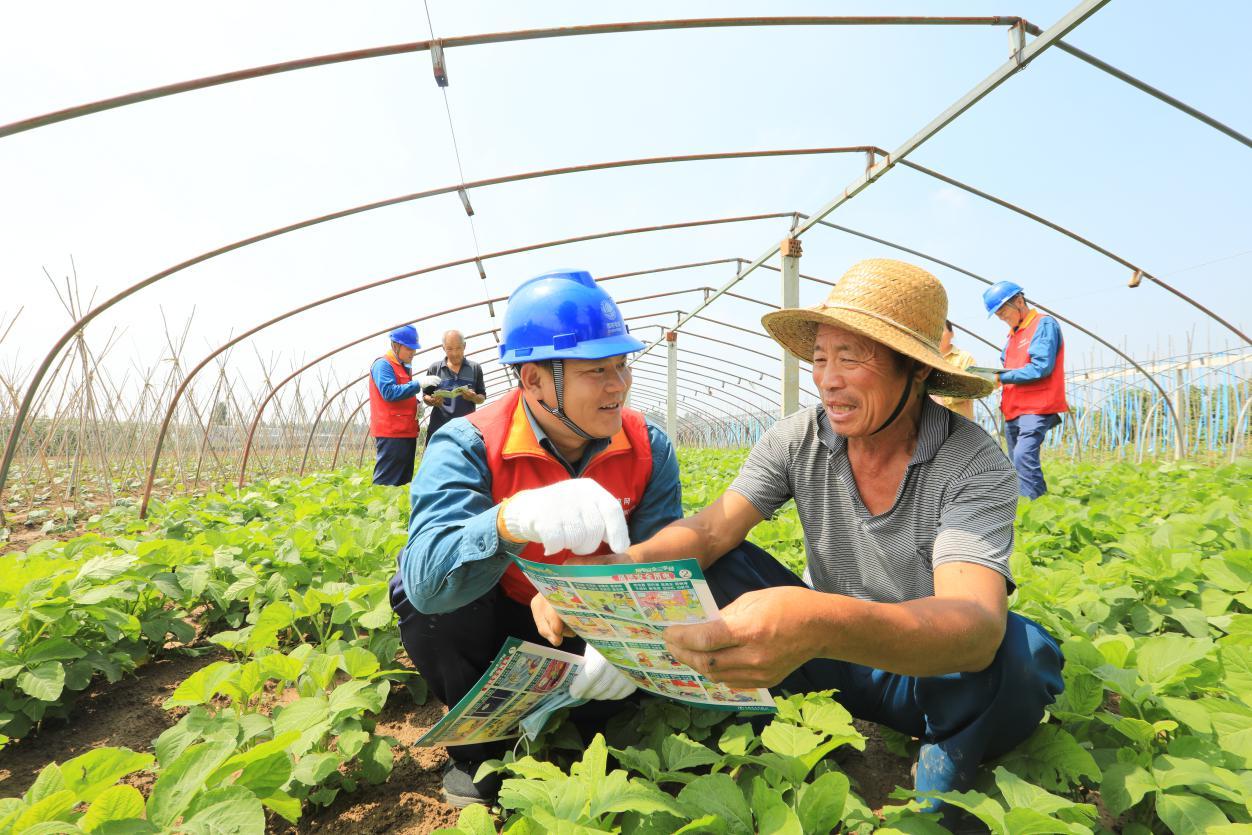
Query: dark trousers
{"points": [[1024, 435], [962, 719], [453, 650], [393, 462]]}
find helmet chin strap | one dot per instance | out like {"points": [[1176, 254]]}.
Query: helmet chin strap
{"points": [[558, 377], [904, 398]]}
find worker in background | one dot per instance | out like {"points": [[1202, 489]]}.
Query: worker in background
{"points": [[1033, 394], [455, 373], [394, 408], [959, 360]]}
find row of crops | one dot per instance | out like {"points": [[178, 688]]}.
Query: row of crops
{"points": [[1144, 574]]}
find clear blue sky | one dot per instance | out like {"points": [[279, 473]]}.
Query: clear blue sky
{"points": [[132, 191]]}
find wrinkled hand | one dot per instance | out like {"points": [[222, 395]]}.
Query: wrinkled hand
{"points": [[599, 680], [548, 621], [761, 638], [575, 515]]}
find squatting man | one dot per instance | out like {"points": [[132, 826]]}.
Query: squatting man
{"points": [[907, 511]]}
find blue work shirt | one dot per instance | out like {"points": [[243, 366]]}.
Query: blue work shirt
{"points": [[384, 376], [455, 554], [1042, 351]]}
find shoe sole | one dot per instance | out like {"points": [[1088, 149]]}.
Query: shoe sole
{"points": [[461, 801]]}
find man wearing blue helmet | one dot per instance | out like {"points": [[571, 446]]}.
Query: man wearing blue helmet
{"points": [[394, 408], [558, 467], [1033, 394]]}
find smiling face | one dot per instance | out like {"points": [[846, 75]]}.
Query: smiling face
{"points": [[595, 391], [860, 381]]}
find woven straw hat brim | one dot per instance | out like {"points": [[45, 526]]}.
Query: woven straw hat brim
{"points": [[796, 330]]}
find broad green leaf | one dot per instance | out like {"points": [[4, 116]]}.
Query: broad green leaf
{"points": [[201, 686], [359, 663], [282, 667], [90, 774], [773, 815], [678, 752], [789, 740], [376, 759], [1188, 814], [178, 785], [1027, 821], [1020, 794], [1051, 758], [230, 810], [315, 767], [49, 781], [115, 803], [645, 761], [55, 649], [1165, 658], [594, 763], [476, 820], [819, 804], [1124, 785], [284, 805], [1237, 669], [263, 777], [718, 794], [57, 806], [737, 739], [43, 681]]}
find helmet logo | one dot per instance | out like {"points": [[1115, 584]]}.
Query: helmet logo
{"points": [[608, 309]]}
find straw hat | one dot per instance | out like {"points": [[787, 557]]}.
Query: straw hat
{"points": [[891, 302]]}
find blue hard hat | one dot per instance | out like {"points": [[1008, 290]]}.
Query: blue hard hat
{"points": [[994, 297], [563, 315], [406, 335]]}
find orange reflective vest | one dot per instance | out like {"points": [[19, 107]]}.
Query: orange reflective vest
{"points": [[393, 418], [517, 462], [1038, 397]]}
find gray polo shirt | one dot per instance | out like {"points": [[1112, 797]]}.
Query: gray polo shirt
{"points": [[957, 503]]}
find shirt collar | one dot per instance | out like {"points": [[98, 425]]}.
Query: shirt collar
{"points": [[592, 449], [932, 431], [1030, 317]]}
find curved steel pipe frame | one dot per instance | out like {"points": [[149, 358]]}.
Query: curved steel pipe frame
{"points": [[42, 369], [1023, 55], [596, 29], [477, 40], [169, 414]]}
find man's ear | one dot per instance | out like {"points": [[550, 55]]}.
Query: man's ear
{"points": [[530, 378]]}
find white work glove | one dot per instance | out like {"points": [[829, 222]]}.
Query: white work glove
{"points": [[576, 515], [599, 680], [429, 383]]}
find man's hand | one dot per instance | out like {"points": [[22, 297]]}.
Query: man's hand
{"points": [[430, 400], [575, 515], [548, 621], [598, 679], [428, 383], [761, 638]]}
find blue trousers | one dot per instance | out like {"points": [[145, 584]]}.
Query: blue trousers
{"points": [[1024, 435], [962, 719], [393, 462]]}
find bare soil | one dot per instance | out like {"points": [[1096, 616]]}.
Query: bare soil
{"points": [[127, 715]]}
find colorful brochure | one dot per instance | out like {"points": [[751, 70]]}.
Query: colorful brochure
{"points": [[522, 687], [622, 610]]}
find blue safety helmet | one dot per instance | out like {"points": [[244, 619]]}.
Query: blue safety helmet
{"points": [[563, 315], [405, 335], [995, 296]]}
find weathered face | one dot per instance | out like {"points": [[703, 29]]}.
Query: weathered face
{"points": [[402, 353], [454, 348], [595, 391], [1013, 312], [859, 380]]}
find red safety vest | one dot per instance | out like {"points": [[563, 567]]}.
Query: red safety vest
{"points": [[1039, 397], [518, 462], [393, 418]]}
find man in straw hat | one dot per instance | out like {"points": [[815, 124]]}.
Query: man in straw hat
{"points": [[908, 514]]}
